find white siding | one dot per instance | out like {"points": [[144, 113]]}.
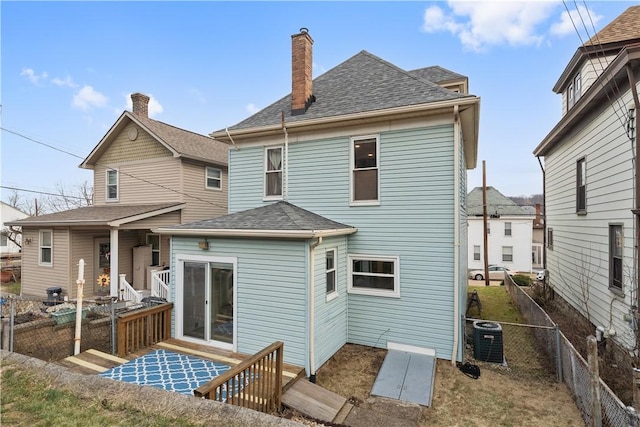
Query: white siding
{"points": [[202, 203], [521, 241], [579, 257]]}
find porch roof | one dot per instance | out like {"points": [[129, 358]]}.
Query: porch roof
{"points": [[107, 215], [276, 220]]}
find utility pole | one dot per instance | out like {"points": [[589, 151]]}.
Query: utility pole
{"points": [[484, 223]]}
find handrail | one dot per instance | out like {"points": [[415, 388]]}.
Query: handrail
{"points": [[160, 283], [143, 328], [128, 293], [255, 383]]}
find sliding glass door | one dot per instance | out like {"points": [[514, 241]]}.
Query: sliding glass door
{"points": [[206, 301]]}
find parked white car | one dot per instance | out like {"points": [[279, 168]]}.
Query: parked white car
{"points": [[496, 272]]}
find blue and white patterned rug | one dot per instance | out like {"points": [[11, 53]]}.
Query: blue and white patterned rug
{"points": [[167, 370]]}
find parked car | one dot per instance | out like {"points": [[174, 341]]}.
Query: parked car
{"points": [[496, 272], [540, 276]]}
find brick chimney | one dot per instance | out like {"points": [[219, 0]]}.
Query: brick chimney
{"points": [[538, 221], [140, 104], [301, 75]]}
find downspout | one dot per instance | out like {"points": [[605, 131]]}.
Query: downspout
{"points": [[312, 312], [544, 217], [232, 141], [285, 177], [636, 101], [456, 231]]}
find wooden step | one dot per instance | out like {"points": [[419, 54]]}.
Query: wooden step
{"points": [[314, 401]]}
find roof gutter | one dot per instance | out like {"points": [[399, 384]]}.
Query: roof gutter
{"points": [[265, 234], [597, 89], [376, 114]]}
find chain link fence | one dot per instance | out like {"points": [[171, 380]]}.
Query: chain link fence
{"points": [[46, 328], [564, 361]]}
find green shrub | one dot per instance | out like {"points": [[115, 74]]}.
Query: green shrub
{"points": [[522, 280]]}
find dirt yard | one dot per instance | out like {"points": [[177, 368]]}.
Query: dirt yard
{"points": [[494, 399]]}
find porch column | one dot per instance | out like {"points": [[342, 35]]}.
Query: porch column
{"points": [[113, 263]]}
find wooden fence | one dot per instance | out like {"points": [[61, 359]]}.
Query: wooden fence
{"points": [[143, 328], [255, 383]]}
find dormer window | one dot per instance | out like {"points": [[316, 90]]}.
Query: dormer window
{"points": [[112, 185], [574, 91]]}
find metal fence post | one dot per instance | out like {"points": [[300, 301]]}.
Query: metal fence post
{"points": [[558, 354], [12, 324]]}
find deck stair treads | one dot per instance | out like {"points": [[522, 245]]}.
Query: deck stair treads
{"points": [[92, 361], [315, 402]]}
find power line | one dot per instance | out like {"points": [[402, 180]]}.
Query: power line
{"points": [[41, 192]]}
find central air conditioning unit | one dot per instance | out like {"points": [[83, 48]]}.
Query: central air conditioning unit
{"points": [[487, 342]]}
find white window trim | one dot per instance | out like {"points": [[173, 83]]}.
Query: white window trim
{"points": [[206, 178], [374, 292], [503, 254], [106, 185], [333, 294], [159, 245], [352, 142], [509, 229], [264, 173], [40, 247]]}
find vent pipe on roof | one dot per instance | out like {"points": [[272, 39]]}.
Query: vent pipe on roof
{"points": [[301, 72], [140, 104]]}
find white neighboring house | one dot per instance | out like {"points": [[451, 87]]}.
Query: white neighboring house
{"points": [[510, 236], [9, 213], [591, 181]]}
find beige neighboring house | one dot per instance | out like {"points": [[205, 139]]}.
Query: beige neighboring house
{"points": [[9, 213], [146, 174]]}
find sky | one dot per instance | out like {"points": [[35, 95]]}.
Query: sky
{"points": [[68, 69]]}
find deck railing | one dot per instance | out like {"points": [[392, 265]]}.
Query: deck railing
{"points": [[128, 293], [255, 383], [142, 328], [160, 283]]}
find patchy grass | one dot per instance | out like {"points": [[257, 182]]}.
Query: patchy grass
{"points": [[496, 305], [28, 400], [10, 288]]}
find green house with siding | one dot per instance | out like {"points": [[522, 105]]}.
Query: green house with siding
{"points": [[347, 218]]}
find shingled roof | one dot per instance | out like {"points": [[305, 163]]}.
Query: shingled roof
{"points": [[625, 27], [497, 203], [360, 84], [99, 215], [273, 220], [181, 142], [436, 74]]}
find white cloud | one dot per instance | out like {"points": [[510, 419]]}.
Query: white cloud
{"points": [[576, 16], [195, 93], [87, 98], [33, 76], [251, 108], [66, 82], [480, 24], [155, 107]]}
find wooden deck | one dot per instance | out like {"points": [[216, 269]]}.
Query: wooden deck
{"points": [[317, 402], [92, 362]]}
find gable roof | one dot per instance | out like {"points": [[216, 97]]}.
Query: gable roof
{"points": [[106, 215], [276, 220], [436, 74], [497, 204], [625, 27], [360, 84], [181, 142]]}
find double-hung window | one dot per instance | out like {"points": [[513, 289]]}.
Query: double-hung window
{"points": [[507, 254], [581, 187], [213, 178], [615, 257], [112, 184], [45, 256], [507, 229], [154, 241], [550, 238], [331, 273], [273, 173], [365, 166], [476, 252], [374, 275]]}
